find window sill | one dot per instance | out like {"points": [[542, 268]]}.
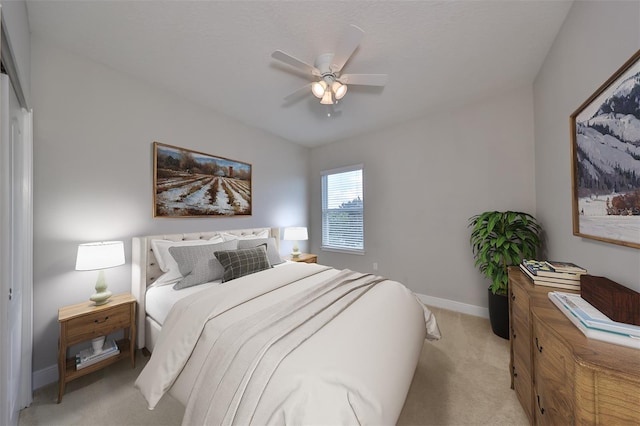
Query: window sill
{"points": [[341, 250]]}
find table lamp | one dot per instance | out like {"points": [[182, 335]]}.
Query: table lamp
{"points": [[295, 234], [100, 256]]}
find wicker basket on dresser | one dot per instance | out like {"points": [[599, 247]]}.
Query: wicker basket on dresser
{"points": [[559, 375]]}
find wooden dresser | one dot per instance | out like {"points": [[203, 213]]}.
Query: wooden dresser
{"points": [[560, 377]]}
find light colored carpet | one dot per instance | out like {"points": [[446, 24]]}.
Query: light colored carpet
{"points": [[463, 379]]}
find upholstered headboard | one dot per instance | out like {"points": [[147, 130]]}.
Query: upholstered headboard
{"points": [[145, 269]]}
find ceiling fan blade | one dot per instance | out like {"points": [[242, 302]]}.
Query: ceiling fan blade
{"points": [[298, 94], [295, 62], [364, 79], [348, 44]]}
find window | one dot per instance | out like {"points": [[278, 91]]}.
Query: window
{"points": [[342, 210]]}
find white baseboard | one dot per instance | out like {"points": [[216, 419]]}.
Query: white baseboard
{"points": [[452, 305], [45, 376]]}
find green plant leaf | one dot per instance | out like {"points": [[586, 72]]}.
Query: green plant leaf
{"points": [[500, 239]]}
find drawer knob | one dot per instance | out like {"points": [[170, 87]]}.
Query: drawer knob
{"points": [[97, 321], [539, 407], [538, 346]]}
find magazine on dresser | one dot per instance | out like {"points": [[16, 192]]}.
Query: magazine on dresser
{"points": [[560, 266], [592, 323]]}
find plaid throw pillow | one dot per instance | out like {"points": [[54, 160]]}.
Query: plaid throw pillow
{"points": [[241, 262]]}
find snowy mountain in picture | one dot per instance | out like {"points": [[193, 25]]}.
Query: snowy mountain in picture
{"points": [[608, 143]]}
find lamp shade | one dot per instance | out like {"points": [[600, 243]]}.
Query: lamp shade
{"points": [[327, 98], [339, 89], [296, 233], [318, 88], [101, 255]]}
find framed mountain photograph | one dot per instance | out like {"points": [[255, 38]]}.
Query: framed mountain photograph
{"points": [[605, 156], [189, 183]]}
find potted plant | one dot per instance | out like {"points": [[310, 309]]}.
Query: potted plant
{"points": [[499, 240]]}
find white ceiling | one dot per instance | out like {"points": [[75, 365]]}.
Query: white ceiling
{"points": [[437, 54]]}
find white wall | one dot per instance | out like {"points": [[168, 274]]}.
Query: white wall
{"points": [[14, 15], [423, 180], [595, 40], [93, 135]]}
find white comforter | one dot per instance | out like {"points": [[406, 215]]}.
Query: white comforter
{"points": [[355, 369]]}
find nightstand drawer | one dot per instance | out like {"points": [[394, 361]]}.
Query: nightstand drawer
{"points": [[98, 323]]}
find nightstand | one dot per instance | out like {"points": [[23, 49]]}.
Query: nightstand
{"points": [[85, 321], [305, 258]]}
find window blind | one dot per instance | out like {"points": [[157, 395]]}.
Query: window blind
{"points": [[343, 209]]}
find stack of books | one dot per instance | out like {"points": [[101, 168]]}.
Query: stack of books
{"points": [[549, 273], [87, 357], [593, 323]]}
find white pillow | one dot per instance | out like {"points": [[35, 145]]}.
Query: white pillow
{"points": [[166, 262], [168, 278], [228, 237], [272, 250]]}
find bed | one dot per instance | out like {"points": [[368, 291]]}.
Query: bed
{"points": [[295, 343]]}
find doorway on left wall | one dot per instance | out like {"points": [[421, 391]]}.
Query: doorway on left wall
{"points": [[16, 244]]}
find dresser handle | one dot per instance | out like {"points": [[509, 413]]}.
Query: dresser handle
{"points": [[539, 407], [513, 296], [98, 321], [538, 346], [514, 371]]}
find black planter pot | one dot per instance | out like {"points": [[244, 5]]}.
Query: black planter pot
{"points": [[499, 314]]}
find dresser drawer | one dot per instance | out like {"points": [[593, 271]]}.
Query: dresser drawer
{"points": [[520, 305], [555, 359], [98, 323], [522, 384], [553, 377], [520, 340], [608, 397]]}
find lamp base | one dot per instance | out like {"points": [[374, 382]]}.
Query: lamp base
{"points": [[295, 250], [100, 298], [102, 295]]}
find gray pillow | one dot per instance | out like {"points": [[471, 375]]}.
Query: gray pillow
{"points": [[241, 262], [272, 250], [198, 264]]}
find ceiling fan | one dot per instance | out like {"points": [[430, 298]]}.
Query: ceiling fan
{"points": [[330, 84]]}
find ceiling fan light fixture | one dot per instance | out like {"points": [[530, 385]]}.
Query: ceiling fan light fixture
{"points": [[318, 88], [327, 98], [327, 70], [339, 89]]}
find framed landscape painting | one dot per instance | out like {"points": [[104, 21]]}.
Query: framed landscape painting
{"points": [[188, 183], [605, 154]]}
